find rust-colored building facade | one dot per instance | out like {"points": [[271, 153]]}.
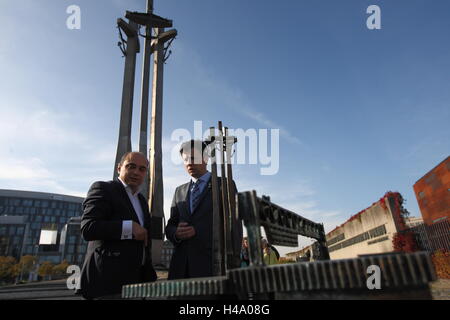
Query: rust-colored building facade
{"points": [[433, 193]]}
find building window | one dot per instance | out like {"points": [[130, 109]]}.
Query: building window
{"points": [[12, 231], [15, 240]]}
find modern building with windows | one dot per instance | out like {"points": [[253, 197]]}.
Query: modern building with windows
{"points": [[47, 225], [72, 245], [370, 231], [13, 231], [26, 216]]}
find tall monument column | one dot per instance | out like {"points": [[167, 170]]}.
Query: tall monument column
{"points": [[155, 44], [143, 137], [156, 191], [126, 113]]}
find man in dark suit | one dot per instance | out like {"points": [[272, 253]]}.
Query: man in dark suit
{"points": [[190, 225], [116, 222]]}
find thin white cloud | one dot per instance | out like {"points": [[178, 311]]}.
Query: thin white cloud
{"points": [[23, 169], [265, 121], [45, 150], [29, 122], [224, 93], [31, 175]]}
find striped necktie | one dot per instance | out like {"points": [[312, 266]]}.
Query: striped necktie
{"points": [[195, 195]]}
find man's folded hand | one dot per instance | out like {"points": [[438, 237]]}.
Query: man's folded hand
{"points": [[140, 233], [184, 231]]}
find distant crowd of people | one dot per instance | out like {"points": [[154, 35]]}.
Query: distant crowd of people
{"points": [[270, 253]]}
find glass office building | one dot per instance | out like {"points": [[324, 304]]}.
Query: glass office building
{"points": [[34, 212], [72, 245]]}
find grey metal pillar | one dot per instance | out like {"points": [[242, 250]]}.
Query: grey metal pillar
{"points": [[124, 143], [155, 45], [218, 245], [145, 96], [156, 191]]}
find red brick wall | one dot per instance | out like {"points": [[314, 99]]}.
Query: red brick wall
{"points": [[432, 193]]}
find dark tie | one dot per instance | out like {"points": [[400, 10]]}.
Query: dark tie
{"points": [[195, 195]]}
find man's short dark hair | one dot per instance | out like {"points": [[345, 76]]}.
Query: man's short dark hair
{"points": [[193, 144]]}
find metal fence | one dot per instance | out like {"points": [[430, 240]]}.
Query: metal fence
{"points": [[433, 237]]}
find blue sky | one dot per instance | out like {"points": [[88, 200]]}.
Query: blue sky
{"points": [[360, 111]]}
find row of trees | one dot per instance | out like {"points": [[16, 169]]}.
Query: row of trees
{"points": [[11, 269]]}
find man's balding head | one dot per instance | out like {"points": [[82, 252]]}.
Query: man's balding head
{"points": [[132, 169], [128, 155]]}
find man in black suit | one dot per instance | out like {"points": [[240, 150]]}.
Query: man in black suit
{"points": [[116, 222], [190, 225]]}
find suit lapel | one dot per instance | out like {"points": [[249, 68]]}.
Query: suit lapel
{"points": [[184, 194], [145, 209], [127, 200]]}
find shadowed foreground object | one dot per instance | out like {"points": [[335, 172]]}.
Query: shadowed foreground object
{"points": [[403, 276]]}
